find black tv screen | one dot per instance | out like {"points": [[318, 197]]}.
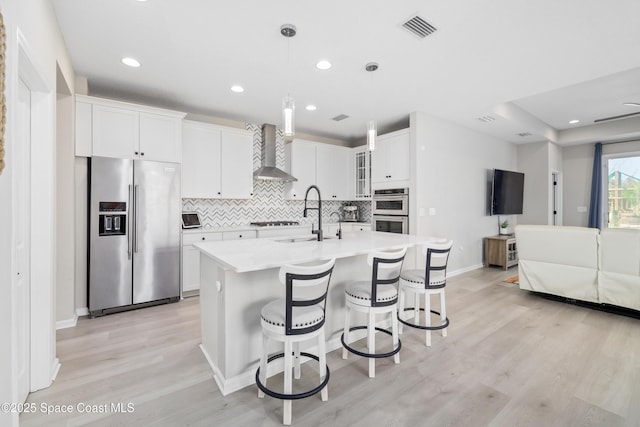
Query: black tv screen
{"points": [[507, 192]]}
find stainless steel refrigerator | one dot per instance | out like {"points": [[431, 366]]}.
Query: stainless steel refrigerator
{"points": [[134, 234]]}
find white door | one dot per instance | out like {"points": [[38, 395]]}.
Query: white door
{"points": [[23, 237]]}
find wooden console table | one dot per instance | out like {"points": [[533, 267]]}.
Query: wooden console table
{"points": [[500, 250]]}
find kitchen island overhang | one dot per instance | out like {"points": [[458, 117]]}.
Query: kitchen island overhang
{"points": [[239, 277]]}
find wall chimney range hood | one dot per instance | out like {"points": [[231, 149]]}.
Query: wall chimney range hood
{"points": [[268, 171]]}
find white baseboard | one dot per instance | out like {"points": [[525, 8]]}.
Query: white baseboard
{"points": [[67, 323], [55, 368], [71, 323], [464, 270]]}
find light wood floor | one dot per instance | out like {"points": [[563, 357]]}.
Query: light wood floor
{"points": [[511, 359]]}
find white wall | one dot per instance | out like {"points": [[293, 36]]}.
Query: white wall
{"points": [[35, 21], [65, 214], [533, 161], [577, 164], [450, 166], [538, 161]]}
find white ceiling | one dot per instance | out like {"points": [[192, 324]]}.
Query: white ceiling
{"points": [[532, 65]]}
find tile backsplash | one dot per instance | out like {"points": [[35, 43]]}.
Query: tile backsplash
{"points": [[268, 202]]}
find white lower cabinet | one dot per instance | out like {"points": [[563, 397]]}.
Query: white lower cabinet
{"points": [[191, 255], [191, 258], [240, 234], [282, 232], [356, 228], [331, 230]]}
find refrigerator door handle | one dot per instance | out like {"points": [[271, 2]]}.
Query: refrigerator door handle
{"points": [[129, 235], [136, 190]]}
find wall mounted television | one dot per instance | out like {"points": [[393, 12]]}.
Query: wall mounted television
{"points": [[507, 192]]}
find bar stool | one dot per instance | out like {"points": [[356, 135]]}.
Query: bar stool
{"points": [[379, 295], [298, 317], [432, 280]]}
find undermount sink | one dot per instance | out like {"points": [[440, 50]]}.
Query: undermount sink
{"points": [[300, 239]]}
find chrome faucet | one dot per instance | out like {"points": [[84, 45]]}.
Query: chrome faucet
{"points": [[339, 232], [319, 209]]}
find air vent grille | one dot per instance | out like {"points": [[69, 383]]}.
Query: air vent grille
{"points": [[486, 119], [419, 27], [524, 134], [340, 117]]}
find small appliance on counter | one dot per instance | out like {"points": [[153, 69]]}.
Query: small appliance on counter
{"points": [[350, 213], [191, 220]]}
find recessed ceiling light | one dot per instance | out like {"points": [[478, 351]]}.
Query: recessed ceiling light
{"points": [[131, 62], [632, 104], [311, 107], [237, 89], [573, 122], [323, 65]]}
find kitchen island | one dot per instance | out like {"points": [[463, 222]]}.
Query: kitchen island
{"points": [[238, 277]]}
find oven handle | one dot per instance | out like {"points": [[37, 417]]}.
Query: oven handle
{"points": [[390, 198], [391, 217]]}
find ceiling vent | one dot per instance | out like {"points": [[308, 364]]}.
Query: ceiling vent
{"points": [[340, 117], [524, 134], [622, 116], [419, 27], [486, 119]]}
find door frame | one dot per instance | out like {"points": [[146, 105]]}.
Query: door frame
{"points": [[44, 363]]}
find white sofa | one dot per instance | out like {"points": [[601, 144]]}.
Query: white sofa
{"points": [[586, 264]]}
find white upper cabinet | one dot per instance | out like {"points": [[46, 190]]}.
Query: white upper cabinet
{"points": [[325, 165], [217, 162], [361, 173], [390, 161], [300, 162], [201, 178], [160, 138], [83, 129], [127, 131], [116, 132], [236, 164], [333, 171]]}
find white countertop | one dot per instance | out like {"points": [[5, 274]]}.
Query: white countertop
{"points": [[255, 227], [261, 254]]}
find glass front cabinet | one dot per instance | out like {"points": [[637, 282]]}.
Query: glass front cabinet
{"points": [[362, 173]]}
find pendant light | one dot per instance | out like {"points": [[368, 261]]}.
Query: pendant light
{"points": [[372, 133], [372, 128], [288, 103]]}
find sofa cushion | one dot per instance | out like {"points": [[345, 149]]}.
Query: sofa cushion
{"points": [[559, 260], [620, 251], [619, 276], [576, 246]]}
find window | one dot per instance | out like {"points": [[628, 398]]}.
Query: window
{"points": [[622, 178]]}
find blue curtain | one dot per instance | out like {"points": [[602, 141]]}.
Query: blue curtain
{"points": [[595, 205]]}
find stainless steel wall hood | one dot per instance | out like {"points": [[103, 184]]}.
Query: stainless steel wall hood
{"points": [[268, 170]]}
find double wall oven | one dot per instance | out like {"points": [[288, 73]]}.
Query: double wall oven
{"points": [[391, 210]]}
